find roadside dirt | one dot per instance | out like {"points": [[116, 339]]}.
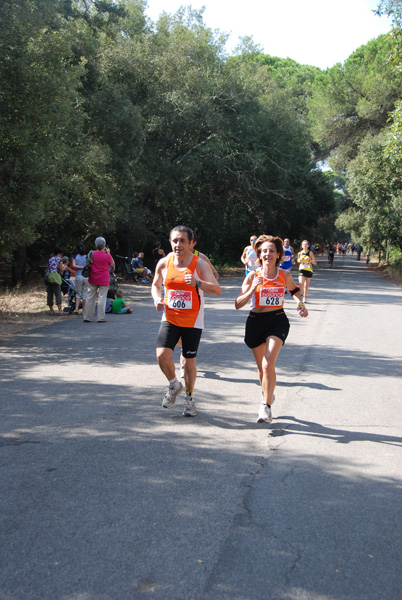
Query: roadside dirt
{"points": [[25, 308]]}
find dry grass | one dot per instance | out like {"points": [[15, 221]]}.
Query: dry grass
{"points": [[22, 309]]}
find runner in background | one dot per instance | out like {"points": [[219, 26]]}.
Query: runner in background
{"points": [[306, 260], [249, 257], [288, 255], [331, 253], [203, 256]]}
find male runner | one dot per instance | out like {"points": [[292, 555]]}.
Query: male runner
{"points": [[288, 255], [203, 256], [186, 278]]}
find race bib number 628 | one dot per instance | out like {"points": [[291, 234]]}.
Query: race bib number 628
{"points": [[180, 299], [271, 296]]}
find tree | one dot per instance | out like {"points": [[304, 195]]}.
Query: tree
{"points": [[353, 100], [49, 165], [376, 193]]}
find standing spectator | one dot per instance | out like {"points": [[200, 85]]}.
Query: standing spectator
{"points": [[98, 281], [55, 268], [359, 250], [79, 261], [158, 253]]}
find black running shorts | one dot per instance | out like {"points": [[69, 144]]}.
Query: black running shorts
{"points": [[259, 326], [170, 334], [307, 274]]}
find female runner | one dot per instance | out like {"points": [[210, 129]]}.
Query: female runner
{"points": [[306, 260], [267, 325]]}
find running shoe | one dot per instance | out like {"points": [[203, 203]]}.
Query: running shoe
{"points": [[264, 414], [189, 407], [171, 393]]}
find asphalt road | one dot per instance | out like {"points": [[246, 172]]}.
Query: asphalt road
{"points": [[106, 496]]}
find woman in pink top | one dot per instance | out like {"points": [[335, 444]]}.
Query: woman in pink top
{"points": [[98, 281]]}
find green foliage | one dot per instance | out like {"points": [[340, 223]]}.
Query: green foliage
{"points": [[376, 192], [113, 125], [352, 100], [355, 112]]}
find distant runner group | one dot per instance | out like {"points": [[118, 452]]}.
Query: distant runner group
{"points": [[186, 276]]}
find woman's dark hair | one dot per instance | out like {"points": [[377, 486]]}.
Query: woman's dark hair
{"points": [[58, 250], [81, 248], [274, 240]]}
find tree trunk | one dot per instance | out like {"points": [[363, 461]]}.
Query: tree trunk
{"points": [[18, 268]]}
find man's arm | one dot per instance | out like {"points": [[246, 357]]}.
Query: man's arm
{"points": [[207, 282], [156, 289], [214, 271]]}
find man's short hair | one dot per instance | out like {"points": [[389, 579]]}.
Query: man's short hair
{"points": [[182, 229]]}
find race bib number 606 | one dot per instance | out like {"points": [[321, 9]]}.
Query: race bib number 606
{"points": [[271, 296], [180, 299]]}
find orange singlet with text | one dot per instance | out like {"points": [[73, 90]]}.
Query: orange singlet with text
{"points": [[183, 302], [271, 293]]}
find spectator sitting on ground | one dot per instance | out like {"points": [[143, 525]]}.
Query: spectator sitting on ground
{"points": [[119, 306]]}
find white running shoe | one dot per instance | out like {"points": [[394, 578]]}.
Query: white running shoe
{"points": [[189, 407], [264, 414], [171, 393]]}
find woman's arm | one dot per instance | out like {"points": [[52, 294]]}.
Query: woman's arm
{"points": [[107, 250], [294, 290], [247, 289]]}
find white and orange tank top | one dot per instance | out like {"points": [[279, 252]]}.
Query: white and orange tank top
{"points": [[271, 293], [184, 304]]}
